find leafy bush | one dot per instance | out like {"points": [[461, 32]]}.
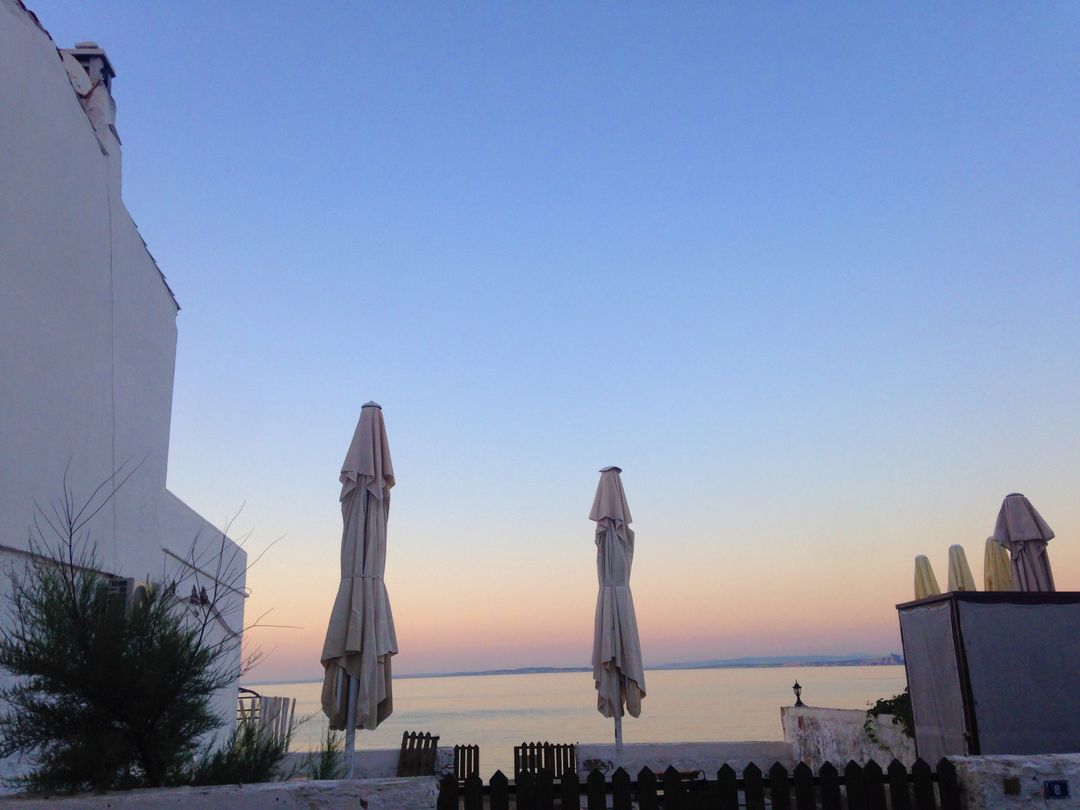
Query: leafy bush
{"points": [[251, 754], [899, 706], [107, 696], [327, 761]]}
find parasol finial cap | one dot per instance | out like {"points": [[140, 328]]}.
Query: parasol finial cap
{"points": [[373, 404], [609, 469]]}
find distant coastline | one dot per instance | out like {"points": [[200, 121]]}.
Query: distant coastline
{"points": [[853, 660]]}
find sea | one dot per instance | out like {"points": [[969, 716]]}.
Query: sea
{"points": [[498, 712]]}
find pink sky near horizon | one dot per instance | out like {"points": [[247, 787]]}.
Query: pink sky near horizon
{"points": [[464, 605]]}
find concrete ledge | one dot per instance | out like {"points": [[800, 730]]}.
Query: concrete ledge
{"points": [[373, 763], [992, 782], [706, 757], [374, 794]]}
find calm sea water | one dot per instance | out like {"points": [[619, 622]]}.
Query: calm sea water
{"points": [[498, 712]]}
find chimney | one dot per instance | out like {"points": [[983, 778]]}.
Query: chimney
{"points": [[91, 76], [94, 62]]}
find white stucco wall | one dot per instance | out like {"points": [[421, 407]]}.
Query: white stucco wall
{"points": [[820, 735], [87, 324]]}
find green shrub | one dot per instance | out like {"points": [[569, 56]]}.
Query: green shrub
{"points": [[899, 706], [106, 696], [251, 754], [327, 761]]}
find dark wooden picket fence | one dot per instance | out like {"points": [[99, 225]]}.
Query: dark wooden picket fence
{"points": [[857, 787]]}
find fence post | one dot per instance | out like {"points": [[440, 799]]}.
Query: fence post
{"points": [[899, 790], [674, 792], [855, 787], [948, 786], [545, 790], [779, 790], [620, 790], [474, 792], [596, 798], [804, 787], [448, 794], [755, 793], [525, 791], [923, 778], [500, 792], [875, 786], [646, 786], [570, 791], [830, 787], [729, 788]]}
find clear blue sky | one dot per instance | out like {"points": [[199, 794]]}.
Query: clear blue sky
{"points": [[809, 273]]}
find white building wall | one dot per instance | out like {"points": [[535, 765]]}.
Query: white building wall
{"points": [[87, 324]]}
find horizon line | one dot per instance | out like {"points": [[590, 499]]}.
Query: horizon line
{"points": [[748, 662]]}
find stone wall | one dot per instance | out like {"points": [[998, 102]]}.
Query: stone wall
{"points": [[819, 735], [416, 793], [993, 782], [705, 757]]}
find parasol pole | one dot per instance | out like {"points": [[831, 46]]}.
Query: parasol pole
{"points": [[618, 732], [350, 726]]}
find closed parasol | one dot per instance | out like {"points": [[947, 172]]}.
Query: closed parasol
{"points": [[1022, 530], [616, 659], [360, 638]]}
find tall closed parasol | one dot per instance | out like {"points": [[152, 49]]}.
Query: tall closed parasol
{"points": [[360, 638], [616, 659]]}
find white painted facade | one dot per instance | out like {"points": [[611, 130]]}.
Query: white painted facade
{"points": [[87, 324]]}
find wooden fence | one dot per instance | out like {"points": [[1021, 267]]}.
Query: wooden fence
{"points": [[857, 787]]}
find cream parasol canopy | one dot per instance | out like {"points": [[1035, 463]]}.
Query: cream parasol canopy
{"points": [[1022, 530], [616, 659], [360, 638]]}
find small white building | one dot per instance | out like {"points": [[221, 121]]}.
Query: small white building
{"points": [[87, 327]]}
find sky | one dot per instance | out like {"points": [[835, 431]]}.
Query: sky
{"points": [[807, 272]]}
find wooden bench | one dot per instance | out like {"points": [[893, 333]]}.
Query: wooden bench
{"points": [[417, 754]]}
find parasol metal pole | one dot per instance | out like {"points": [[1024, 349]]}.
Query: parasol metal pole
{"points": [[350, 726], [618, 732]]}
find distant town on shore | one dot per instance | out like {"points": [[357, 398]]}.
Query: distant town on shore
{"points": [[852, 660]]}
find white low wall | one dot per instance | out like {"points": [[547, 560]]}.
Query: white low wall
{"points": [[819, 735], [376, 763], [993, 782], [416, 793], [706, 757]]}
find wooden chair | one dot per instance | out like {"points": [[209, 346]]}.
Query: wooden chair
{"points": [[417, 754], [557, 758], [466, 762]]}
